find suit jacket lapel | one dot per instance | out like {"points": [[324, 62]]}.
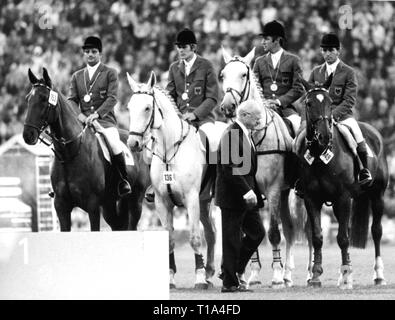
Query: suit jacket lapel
{"points": [[181, 67], [195, 65]]}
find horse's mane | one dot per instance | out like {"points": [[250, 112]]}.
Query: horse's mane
{"points": [[169, 97]]}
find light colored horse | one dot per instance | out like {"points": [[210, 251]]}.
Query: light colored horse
{"points": [[274, 145], [177, 169]]}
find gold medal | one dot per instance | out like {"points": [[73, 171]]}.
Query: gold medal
{"points": [[87, 98], [184, 96], [274, 87]]}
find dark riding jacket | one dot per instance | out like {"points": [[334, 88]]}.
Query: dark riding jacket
{"points": [[343, 89], [202, 86], [104, 93], [287, 78]]}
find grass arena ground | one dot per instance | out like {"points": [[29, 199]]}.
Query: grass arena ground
{"points": [[362, 262]]}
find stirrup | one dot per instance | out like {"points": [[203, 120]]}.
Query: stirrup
{"points": [[149, 195], [364, 177], [124, 188]]}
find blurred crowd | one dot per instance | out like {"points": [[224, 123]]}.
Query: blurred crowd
{"points": [[138, 37]]}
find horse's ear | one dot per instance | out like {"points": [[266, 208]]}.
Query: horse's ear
{"points": [[47, 79], [133, 84], [248, 58], [328, 82], [33, 79], [305, 84], [152, 80], [226, 55]]}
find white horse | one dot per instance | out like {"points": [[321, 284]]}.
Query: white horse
{"points": [[274, 145], [177, 169]]}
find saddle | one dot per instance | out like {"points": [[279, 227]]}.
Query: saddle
{"points": [[346, 133], [105, 146]]}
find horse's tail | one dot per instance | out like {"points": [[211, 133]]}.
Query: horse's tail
{"points": [[360, 221]]}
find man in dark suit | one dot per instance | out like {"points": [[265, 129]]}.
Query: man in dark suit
{"points": [[237, 195], [194, 87], [93, 91], [343, 92], [278, 73]]}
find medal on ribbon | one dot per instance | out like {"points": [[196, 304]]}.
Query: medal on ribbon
{"points": [[87, 98], [184, 96], [274, 87]]}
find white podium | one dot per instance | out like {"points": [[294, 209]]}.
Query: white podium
{"points": [[85, 265]]}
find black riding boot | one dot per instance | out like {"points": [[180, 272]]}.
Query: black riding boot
{"points": [[123, 185], [364, 176]]}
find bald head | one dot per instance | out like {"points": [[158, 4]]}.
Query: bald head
{"points": [[249, 113]]}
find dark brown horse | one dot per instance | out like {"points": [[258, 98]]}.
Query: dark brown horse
{"points": [[80, 175], [329, 175]]}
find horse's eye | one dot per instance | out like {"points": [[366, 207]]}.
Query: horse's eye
{"points": [[221, 76], [244, 75], [147, 108]]}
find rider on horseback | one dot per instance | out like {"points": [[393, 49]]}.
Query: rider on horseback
{"points": [[343, 92], [194, 87], [93, 91], [278, 74]]}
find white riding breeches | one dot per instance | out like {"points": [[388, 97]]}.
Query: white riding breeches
{"points": [[295, 120], [356, 130], [113, 139]]}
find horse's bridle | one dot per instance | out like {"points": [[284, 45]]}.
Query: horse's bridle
{"points": [[45, 123], [150, 124], [49, 108], [246, 86], [314, 123]]}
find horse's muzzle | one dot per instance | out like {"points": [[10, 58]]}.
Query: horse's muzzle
{"points": [[30, 135], [228, 111], [134, 144]]}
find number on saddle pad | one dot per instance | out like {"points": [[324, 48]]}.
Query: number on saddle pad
{"points": [[169, 177]]}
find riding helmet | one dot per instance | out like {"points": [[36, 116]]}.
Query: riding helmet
{"points": [[330, 40], [273, 29], [185, 36], [92, 43]]}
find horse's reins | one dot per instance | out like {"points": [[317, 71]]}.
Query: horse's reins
{"points": [[53, 108]]}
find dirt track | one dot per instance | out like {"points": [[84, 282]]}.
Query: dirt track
{"points": [[362, 262]]}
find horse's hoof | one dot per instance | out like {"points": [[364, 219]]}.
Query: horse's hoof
{"points": [[172, 286], [288, 283], [314, 283], [254, 283], [278, 285], [380, 282], [201, 286], [345, 286], [210, 285]]}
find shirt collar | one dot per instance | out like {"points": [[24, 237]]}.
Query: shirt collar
{"points": [[189, 64], [92, 69], [332, 67], [276, 56]]}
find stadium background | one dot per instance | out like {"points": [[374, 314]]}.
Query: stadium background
{"points": [[138, 37]]}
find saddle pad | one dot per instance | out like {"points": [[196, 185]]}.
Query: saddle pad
{"points": [[128, 155]]}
